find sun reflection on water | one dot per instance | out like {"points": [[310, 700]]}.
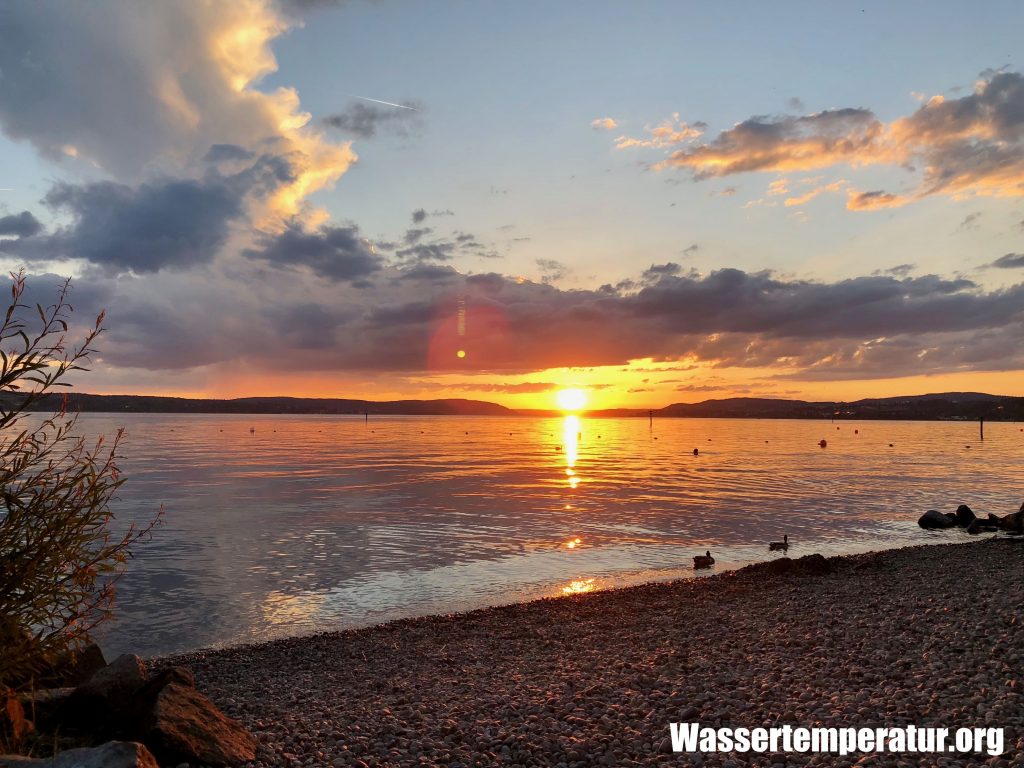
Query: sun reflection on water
{"points": [[579, 587], [571, 438]]}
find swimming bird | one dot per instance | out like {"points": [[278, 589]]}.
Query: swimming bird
{"points": [[777, 545], [703, 561]]}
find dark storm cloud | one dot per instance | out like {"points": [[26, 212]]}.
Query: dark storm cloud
{"points": [[658, 271], [307, 326], [365, 120], [337, 253], [22, 224], [900, 270], [162, 224], [220, 153], [552, 270], [1009, 261], [177, 223], [430, 272], [881, 325], [416, 234], [441, 251]]}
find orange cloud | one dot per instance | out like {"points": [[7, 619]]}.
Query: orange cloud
{"points": [[873, 201], [666, 134], [604, 123], [806, 197], [969, 146]]}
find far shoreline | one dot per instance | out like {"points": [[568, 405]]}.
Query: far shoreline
{"points": [[948, 406]]}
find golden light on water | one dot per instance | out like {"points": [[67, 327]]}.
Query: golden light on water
{"points": [[573, 543], [571, 440], [579, 587], [572, 399]]}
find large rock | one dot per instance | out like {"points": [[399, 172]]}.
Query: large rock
{"points": [[45, 706], [113, 754], [106, 700], [185, 726], [76, 667], [933, 519], [981, 526], [119, 679], [965, 516], [1013, 523]]}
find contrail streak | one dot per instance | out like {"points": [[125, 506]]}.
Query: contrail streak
{"points": [[389, 103]]}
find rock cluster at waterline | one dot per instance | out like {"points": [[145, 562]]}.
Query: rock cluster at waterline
{"points": [[964, 517]]}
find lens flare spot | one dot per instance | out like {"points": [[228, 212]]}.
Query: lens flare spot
{"points": [[460, 354]]}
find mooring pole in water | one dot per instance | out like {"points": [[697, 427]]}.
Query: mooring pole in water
{"points": [[367, 415], [981, 426], [650, 419]]}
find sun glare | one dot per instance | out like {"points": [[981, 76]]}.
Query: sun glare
{"points": [[571, 399]]}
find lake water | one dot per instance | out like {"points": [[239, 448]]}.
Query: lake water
{"points": [[315, 523]]}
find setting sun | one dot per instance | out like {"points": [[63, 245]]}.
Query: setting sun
{"points": [[571, 399]]}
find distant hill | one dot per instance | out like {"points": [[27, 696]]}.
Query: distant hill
{"points": [[270, 405], [941, 406]]}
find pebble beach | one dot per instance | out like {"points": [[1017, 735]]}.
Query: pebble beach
{"points": [[927, 635]]}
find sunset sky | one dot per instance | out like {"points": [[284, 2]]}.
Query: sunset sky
{"points": [[655, 202]]}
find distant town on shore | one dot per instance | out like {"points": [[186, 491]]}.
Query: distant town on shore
{"points": [[945, 406]]}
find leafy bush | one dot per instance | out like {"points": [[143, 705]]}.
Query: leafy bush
{"points": [[59, 556]]}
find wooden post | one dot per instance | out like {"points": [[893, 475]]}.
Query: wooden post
{"points": [[981, 426]]}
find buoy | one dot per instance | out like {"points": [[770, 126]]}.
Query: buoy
{"points": [[696, 452], [823, 443]]}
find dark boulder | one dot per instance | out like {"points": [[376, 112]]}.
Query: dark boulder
{"points": [[106, 700], [74, 667], [185, 726], [965, 516], [1013, 523], [933, 519], [981, 526], [45, 706]]}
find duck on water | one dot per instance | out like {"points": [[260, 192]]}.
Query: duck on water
{"points": [[703, 561]]}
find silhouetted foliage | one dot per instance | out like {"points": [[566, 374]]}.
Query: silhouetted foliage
{"points": [[59, 556]]}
